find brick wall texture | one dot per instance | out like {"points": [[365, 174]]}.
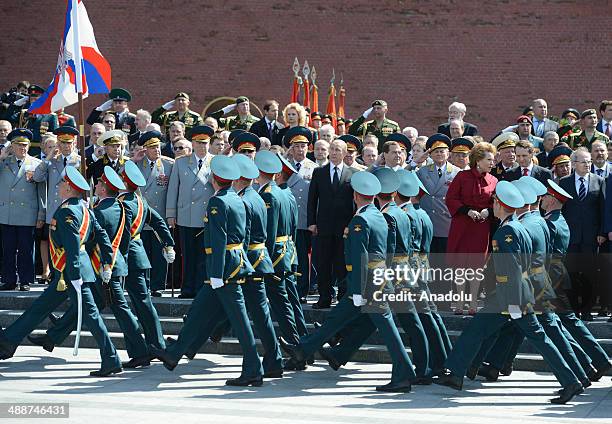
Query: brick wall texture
{"points": [[494, 56]]}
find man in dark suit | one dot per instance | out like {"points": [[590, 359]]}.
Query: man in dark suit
{"points": [[551, 139], [268, 126], [457, 110], [605, 123], [584, 215], [524, 157], [330, 208]]}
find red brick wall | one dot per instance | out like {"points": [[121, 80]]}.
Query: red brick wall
{"points": [[495, 56]]}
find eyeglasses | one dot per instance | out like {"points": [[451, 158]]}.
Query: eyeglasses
{"points": [[178, 148], [585, 162]]}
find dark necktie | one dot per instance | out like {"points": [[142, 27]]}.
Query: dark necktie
{"points": [[18, 163], [270, 131], [114, 165], [298, 166], [599, 172], [525, 172], [199, 164], [439, 172], [336, 180], [65, 162], [151, 164], [582, 189], [608, 130]]}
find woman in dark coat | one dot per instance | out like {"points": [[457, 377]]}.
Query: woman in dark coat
{"points": [[470, 201]]}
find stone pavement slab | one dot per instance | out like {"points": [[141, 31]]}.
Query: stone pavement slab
{"points": [[195, 392]]}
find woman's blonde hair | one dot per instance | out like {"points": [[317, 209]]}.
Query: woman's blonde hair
{"points": [[478, 152], [300, 111]]}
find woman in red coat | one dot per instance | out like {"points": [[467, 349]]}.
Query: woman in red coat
{"points": [[470, 201]]}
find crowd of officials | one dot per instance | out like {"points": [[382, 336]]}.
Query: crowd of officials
{"points": [[290, 208]]}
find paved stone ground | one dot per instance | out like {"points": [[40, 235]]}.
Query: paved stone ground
{"points": [[195, 392]]}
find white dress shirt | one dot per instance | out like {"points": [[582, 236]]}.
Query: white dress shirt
{"points": [[331, 171], [577, 182]]}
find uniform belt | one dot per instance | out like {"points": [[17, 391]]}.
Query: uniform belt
{"points": [[376, 264], [280, 239], [235, 246], [399, 258], [257, 246], [504, 278], [537, 270], [556, 261]]}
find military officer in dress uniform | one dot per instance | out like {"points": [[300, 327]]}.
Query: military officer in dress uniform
{"points": [[114, 219], [22, 209], [138, 263], [353, 149], [156, 169], [505, 144], [118, 99], [365, 250], [245, 143], [243, 119], [164, 117], [560, 162], [39, 125], [380, 126], [405, 148], [51, 169], [227, 267], [72, 226], [460, 151], [278, 243], [188, 194], [552, 203], [297, 141], [114, 142], [513, 297], [588, 123]]}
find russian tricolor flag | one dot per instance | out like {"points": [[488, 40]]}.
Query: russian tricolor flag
{"points": [[81, 68]]}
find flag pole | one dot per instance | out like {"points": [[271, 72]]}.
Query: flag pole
{"points": [[78, 65], [81, 139]]}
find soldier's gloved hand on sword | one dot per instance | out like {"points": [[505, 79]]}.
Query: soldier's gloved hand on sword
{"points": [[106, 274], [216, 283], [169, 254]]}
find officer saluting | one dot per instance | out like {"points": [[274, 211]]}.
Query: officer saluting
{"points": [[118, 99], [227, 266], [164, 116], [513, 297], [113, 142], [72, 226], [243, 119], [380, 126], [138, 263]]}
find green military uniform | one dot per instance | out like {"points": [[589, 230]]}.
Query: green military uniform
{"points": [[165, 118], [578, 139], [71, 227], [235, 122], [361, 127]]}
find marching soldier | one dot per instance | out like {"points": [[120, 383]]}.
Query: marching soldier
{"points": [[52, 169], [589, 133], [380, 126], [22, 209], [138, 263], [188, 194], [552, 203], [279, 215], [243, 119], [164, 117], [72, 226], [114, 219], [39, 125], [156, 170], [513, 297], [118, 99], [365, 250], [114, 142], [227, 266]]}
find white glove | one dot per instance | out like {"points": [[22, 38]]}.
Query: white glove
{"points": [[515, 311], [105, 106], [229, 108], [169, 254], [367, 113], [484, 214], [106, 275], [168, 105], [77, 284], [358, 300], [216, 283], [21, 101]]}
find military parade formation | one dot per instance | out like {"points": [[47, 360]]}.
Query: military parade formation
{"points": [[257, 212]]}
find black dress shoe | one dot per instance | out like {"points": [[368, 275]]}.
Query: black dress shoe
{"points": [[293, 365], [7, 287], [600, 372], [586, 316], [143, 361], [586, 383], [507, 370], [170, 340], [321, 305], [567, 393], [488, 372], [217, 334], [610, 319], [332, 341], [190, 355], [184, 318], [450, 380], [294, 351], [331, 360], [169, 362], [472, 372], [24, 287], [245, 381], [186, 296], [155, 293], [400, 387], [422, 381], [42, 340], [53, 318], [273, 374], [7, 349], [105, 373]]}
